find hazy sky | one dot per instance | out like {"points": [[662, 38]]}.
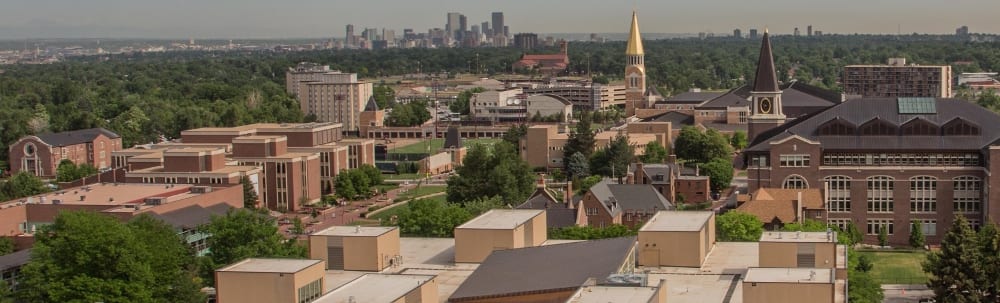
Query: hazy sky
{"points": [[325, 18]]}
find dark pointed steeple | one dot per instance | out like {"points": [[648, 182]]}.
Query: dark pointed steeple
{"points": [[766, 79], [372, 105]]}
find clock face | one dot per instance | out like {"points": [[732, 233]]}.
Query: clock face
{"points": [[765, 105]]}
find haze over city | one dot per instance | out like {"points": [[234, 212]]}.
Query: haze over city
{"points": [[22, 19]]}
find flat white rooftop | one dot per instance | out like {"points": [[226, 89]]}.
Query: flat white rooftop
{"points": [[803, 237], [375, 288], [604, 294], [789, 275], [502, 219], [284, 266], [672, 220], [354, 231]]}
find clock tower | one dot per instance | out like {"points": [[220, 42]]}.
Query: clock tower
{"points": [[766, 110], [635, 71]]}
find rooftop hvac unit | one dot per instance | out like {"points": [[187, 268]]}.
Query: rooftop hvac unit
{"points": [[56, 201], [155, 200], [201, 189]]}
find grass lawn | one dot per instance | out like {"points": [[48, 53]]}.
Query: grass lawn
{"points": [[386, 187], [436, 144], [897, 267], [385, 215], [421, 191], [403, 176]]}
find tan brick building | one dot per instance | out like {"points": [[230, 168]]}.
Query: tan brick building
{"points": [[677, 238], [356, 248], [499, 229], [39, 155], [270, 280], [331, 96], [378, 288]]}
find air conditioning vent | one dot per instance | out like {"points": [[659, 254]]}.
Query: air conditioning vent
{"points": [[155, 200], [201, 189]]}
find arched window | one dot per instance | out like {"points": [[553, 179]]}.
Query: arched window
{"points": [[880, 194], [919, 127], [923, 194], [967, 194], [837, 127], [839, 193], [959, 127], [878, 127], [795, 182]]}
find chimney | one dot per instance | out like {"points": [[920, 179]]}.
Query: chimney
{"points": [[541, 182], [696, 170], [568, 195], [798, 207], [672, 159], [630, 178]]}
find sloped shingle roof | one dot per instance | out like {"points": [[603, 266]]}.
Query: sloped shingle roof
{"points": [[76, 136]]}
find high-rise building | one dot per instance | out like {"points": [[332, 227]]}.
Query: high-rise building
{"points": [[897, 80], [809, 30], [753, 33], [349, 37], [389, 35], [962, 31], [737, 33], [485, 26], [506, 31], [463, 23], [526, 41], [635, 71], [498, 24], [332, 96], [475, 30], [796, 33], [453, 25]]}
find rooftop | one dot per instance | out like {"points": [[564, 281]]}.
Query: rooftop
{"points": [[678, 221], [789, 275], [375, 288], [285, 266], [803, 237], [354, 231], [75, 137], [108, 194], [605, 294], [502, 219], [15, 259]]}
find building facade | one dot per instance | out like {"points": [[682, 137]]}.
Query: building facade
{"points": [[635, 71], [331, 96], [896, 79], [40, 155]]}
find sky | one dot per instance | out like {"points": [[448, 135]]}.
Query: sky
{"points": [[201, 19]]}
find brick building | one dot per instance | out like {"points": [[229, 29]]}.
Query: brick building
{"points": [[40, 154], [672, 182], [896, 79], [628, 204]]}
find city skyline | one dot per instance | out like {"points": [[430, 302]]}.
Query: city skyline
{"points": [[324, 19]]}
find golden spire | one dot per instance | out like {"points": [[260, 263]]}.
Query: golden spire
{"points": [[634, 38]]}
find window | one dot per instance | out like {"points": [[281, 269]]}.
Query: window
{"points": [[959, 127], [923, 194], [967, 194], [217, 180], [878, 127], [880, 194], [758, 161], [919, 127], [974, 223], [148, 180], [592, 211], [795, 182], [794, 160], [876, 225], [927, 226], [170, 180], [836, 127], [29, 150], [840, 224], [901, 159], [839, 193], [311, 291]]}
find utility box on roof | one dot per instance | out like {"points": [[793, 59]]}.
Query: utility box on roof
{"points": [[677, 238], [356, 248], [499, 229]]}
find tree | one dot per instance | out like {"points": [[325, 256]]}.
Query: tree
{"points": [[655, 153], [850, 235], [956, 273], [739, 226], [241, 234], [989, 249], [431, 218], [515, 133], [6, 295], [409, 114], [863, 288], [22, 185], [297, 227], [807, 225], [250, 198], [720, 173], [577, 166], [739, 140], [591, 233], [6, 246], [883, 236], [67, 171], [353, 184], [584, 184], [916, 235], [864, 263], [91, 257], [461, 103], [581, 139], [487, 173], [701, 147], [384, 95], [613, 161]]}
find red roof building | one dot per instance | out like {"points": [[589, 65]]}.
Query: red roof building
{"points": [[546, 63]]}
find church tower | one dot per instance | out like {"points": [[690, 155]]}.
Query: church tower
{"points": [[766, 111], [635, 71]]}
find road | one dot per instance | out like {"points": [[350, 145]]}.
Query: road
{"points": [[905, 293]]}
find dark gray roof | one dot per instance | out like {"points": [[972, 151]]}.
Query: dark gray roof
{"points": [[651, 170], [76, 136], [732, 98], [560, 217], [372, 105], [693, 97], [193, 216], [541, 199], [15, 259], [860, 111], [629, 196], [544, 268], [676, 119], [766, 79]]}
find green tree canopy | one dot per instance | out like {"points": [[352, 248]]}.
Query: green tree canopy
{"points": [[6, 245], [384, 95], [655, 153], [250, 198], [410, 114], [67, 171], [739, 140], [591, 233], [487, 172], [916, 235], [358, 183], [956, 272], [720, 173], [739, 226], [577, 166], [515, 133], [431, 218], [21, 185], [701, 147], [242, 234], [613, 161], [461, 104], [581, 138], [90, 257]]}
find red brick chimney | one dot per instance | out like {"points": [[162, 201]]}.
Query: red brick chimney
{"points": [[672, 159], [541, 182], [568, 195]]}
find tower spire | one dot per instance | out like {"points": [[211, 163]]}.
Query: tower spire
{"points": [[634, 38], [766, 79]]}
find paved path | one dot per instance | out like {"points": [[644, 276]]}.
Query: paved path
{"points": [[905, 293]]}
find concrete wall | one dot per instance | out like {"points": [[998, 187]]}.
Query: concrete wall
{"points": [[787, 292], [474, 245], [783, 254], [680, 249]]}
